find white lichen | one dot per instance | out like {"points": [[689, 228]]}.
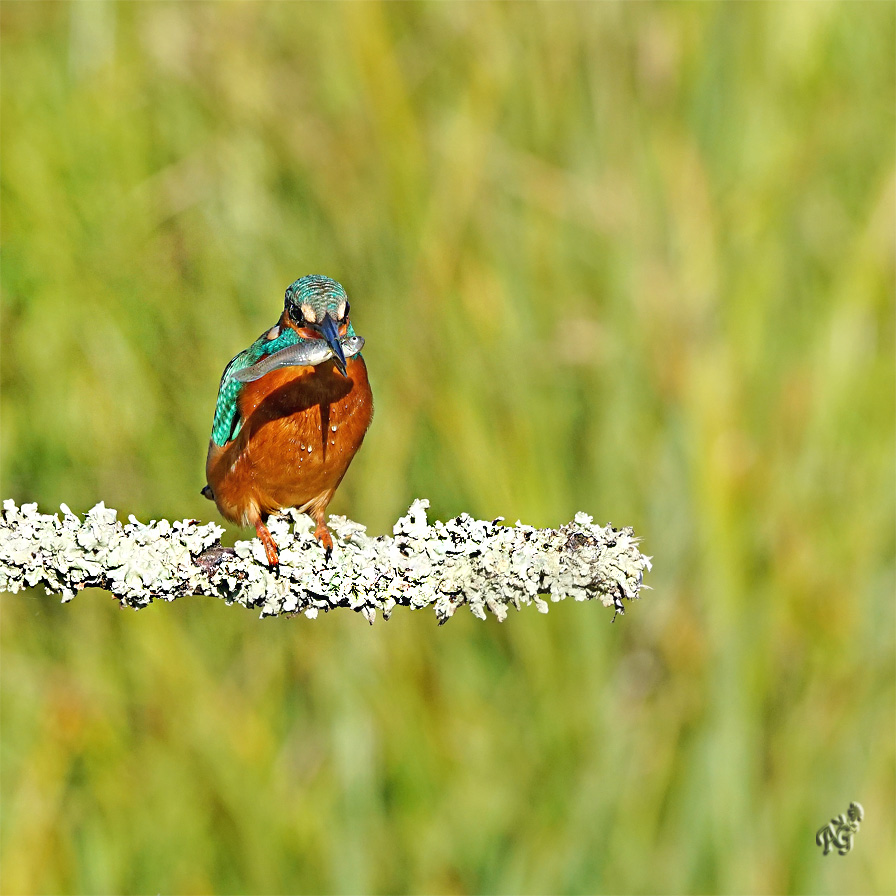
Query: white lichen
{"points": [[486, 565]]}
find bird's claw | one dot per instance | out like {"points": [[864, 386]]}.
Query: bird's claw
{"points": [[270, 547], [322, 534]]}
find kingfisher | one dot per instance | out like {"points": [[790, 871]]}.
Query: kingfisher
{"points": [[291, 413]]}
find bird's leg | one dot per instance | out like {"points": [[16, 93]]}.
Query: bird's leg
{"points": [[270, 549], [322, 533]]}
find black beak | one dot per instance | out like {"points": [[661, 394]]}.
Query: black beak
{"points": [[330, 332]]}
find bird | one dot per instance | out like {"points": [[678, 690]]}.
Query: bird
{"points": [[292, 411]]}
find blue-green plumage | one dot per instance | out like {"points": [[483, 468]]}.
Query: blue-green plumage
{"points": [[308, 299], [321, 293]]}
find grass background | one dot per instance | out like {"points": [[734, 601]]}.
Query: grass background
{"points": [[630, 259]]}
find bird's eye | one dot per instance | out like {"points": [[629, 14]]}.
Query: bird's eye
{"points": [[345, 312]]}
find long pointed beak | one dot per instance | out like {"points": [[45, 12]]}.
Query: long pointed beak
{"points": [[330, 332]]}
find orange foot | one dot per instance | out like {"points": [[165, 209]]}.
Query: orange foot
{"points": [[270, 548], [322, 534]]}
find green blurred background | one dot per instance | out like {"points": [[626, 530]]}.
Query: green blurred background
{"points": [[635, 260]]}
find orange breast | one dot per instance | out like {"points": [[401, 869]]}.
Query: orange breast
{"points": [[301, 429]]}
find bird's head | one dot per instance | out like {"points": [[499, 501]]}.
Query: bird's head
{"points": [[317, 308]]}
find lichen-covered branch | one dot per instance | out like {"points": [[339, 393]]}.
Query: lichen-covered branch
{"points": [[485, 565]]}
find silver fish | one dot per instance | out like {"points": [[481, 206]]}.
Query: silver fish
{"points": [[303, 354]]}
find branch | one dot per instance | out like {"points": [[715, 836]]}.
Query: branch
{"points": [[485, 565]]}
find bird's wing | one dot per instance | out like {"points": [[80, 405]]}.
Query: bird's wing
{"points": [[227, 422]]}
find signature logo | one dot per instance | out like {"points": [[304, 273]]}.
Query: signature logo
{"points": [[838, 833]]}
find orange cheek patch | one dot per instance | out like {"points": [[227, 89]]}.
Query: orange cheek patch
{"points": [[309, 333]]}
